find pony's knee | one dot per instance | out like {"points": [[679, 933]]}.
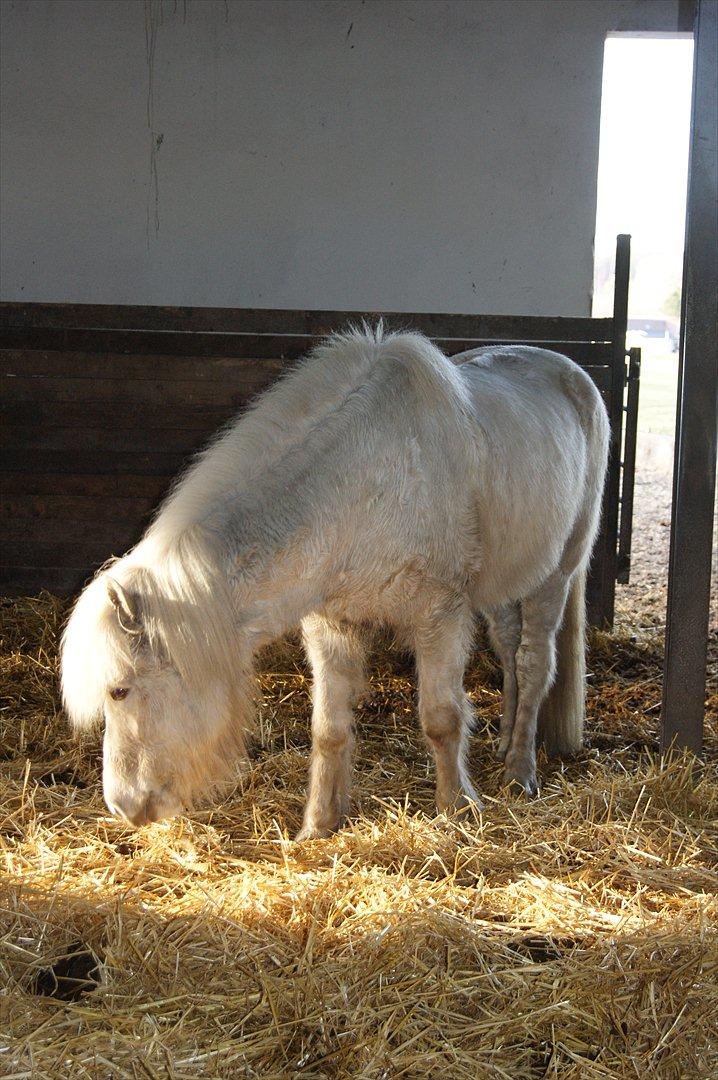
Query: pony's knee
{"points": [[357, 684], [442, 724], [536, 663], [331, 735], [335, 691]]}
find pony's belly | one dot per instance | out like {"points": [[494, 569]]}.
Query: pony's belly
{"points": [[487, 592], [397, 598], [372, 610], [514, 574]]}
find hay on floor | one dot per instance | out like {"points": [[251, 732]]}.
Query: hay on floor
{"points": [[572, 936]]}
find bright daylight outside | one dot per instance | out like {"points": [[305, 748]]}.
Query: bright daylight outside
{"points": [[643, 165]]}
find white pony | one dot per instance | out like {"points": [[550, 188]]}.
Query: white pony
{"points": [[377, 483]]}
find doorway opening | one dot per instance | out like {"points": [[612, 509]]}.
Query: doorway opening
{"points": [[642, 178]]}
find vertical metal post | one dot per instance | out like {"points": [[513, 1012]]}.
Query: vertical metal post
{"points": [[628, 467], [611, 495], [689, 570]]}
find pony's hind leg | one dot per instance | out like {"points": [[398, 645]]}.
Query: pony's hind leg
{"points": [[505, 633], [336, 657], [444, 709], [541, 616]]}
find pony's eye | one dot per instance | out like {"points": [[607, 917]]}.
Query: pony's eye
{"points": [[118, 693]]}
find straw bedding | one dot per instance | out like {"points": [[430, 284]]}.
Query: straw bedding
{"points": [[572, 936]]}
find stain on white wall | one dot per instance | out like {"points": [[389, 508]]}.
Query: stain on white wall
{"points": [[430, 155]]}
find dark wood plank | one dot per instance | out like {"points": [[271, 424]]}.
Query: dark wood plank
{"points": [[250, 376], [23, 580], [57, 552], [105, 414], [40, 363], [92, 440], [118, 533], [126, 393], [103, 439], [54, 506], [311, 323], [84, 484], [71, 462], [152, 343], [240, 346]]}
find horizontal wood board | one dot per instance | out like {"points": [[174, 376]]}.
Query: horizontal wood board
{"points": [[245, 346], [268, 321]]}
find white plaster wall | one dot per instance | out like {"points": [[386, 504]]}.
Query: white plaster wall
{"points": [[428, 155]]}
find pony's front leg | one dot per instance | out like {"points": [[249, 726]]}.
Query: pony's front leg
{"points": [[336, 657], [541, 616], [444, 709], [505, 633]]}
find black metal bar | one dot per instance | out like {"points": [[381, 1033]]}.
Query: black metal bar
{"points": [[607, 556], [628, 467], [689, 569]]}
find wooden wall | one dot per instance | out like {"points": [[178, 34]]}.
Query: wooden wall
{"points": [[102, 406]]}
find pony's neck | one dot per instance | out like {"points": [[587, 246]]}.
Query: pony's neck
{"points": [[267, 511], [277, 586], [258, 586], [280, 540], [270, 550]]}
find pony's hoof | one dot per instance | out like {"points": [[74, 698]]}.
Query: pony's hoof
{"points": [[467, 799], [521, 785], [463, 801], [313, 832], [501, 753]]}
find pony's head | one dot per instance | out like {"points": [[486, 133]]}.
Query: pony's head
{"points": [[154, 653]]}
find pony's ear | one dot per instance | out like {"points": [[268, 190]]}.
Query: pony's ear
{"points": [[122, 603]]}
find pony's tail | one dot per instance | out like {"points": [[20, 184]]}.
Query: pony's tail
{"points": [[562, 713]]}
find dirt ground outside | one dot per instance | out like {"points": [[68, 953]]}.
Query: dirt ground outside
{"points": [[641, 605]]}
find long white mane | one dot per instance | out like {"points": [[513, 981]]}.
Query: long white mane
{"points": [[176, 576]]}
